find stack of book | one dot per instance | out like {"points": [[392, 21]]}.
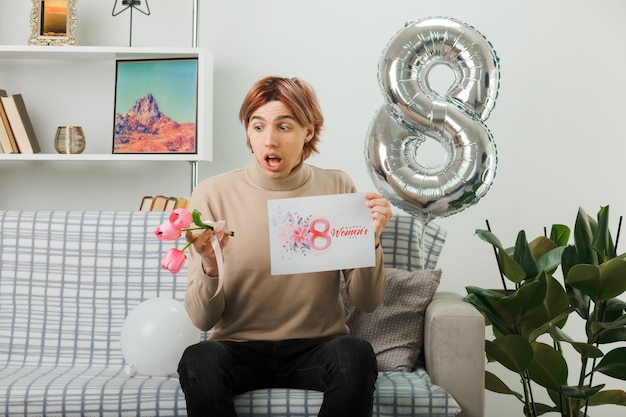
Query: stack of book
{"points": [[16, 130], [162, 203]]}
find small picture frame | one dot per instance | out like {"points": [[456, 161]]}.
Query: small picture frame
{"points": [[53, 22], [156, 106]]}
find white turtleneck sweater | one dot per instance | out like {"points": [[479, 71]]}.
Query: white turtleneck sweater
{"points": [[253, 304]]}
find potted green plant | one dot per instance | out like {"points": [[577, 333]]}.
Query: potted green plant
{"points": [[529, 314]]}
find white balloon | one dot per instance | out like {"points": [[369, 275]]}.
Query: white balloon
{"points": [[155, 335]]}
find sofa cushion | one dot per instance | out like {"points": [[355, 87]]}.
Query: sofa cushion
{"points": [[398, 394], [396, 328], [87, 390], [410, 245], [95, 391]]}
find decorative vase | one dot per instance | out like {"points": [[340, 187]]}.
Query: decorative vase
{"points": [[69, 139]]}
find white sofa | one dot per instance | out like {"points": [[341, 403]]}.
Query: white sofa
{"points": [[68, 280]]}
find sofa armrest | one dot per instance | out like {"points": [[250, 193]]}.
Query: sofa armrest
{"points": [[454, 349]]}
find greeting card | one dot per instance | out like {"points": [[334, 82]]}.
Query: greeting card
{"points": [[321, 233]]}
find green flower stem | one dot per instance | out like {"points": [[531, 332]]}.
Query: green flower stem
{"points": [[196, 216], [189, 244], [206, 226]]}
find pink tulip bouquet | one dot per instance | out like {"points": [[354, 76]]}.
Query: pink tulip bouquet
{"points": [[179, 221]]}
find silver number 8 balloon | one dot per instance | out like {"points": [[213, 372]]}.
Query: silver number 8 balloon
{"points": [[414, 112]]}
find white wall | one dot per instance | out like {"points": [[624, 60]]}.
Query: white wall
{"points": [[556, 123]]}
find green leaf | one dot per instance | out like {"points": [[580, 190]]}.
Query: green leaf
{"points": [[548, 367], [579, 302], [569, 258], [525, 298], [485, 292], [585, 349], [197, 218], [512, 351], [542, 409], [599, 282], [613, 275], [510, 268], [557, 397], [583, 237], [556, 321], [559, 234], [610, 396], [550, 260], [495, 384], [583, 393], [540, 246], [620, 323], [484, 301], [613, 328], [554, 308], [616, 307], [507, 264], [612, 336], [613, 364], [602, 242], [523, 256], [490, 238]]}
